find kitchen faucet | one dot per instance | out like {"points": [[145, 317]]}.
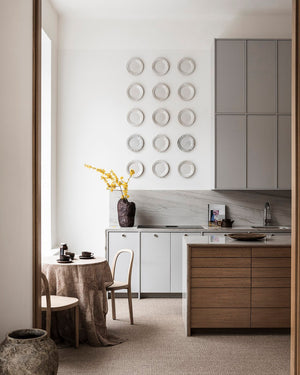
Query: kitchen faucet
{"points": [[267, 215]]}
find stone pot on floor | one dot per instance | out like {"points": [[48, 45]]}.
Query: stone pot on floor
{"points": [[126, 212], [28, 352]]}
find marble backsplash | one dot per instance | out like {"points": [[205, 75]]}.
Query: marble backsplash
{"points": [[184, 207]]}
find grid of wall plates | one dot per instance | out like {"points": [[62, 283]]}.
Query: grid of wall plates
{"points": [[160, 115]]}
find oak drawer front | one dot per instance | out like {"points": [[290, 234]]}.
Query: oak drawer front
{"points": [[220, 297], [221, 262], [271, 272], [271, 252], [270, 318], [221, 282], [221, 272], [271, 262], [220, 318], [271, 282], [271, 297], [216, 252]]}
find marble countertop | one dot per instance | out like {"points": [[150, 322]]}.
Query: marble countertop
{"points": [[219, 240], [204, 229]]}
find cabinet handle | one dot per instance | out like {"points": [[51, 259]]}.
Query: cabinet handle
{"points": [[123, 235], [156, 235], [186, 235]]}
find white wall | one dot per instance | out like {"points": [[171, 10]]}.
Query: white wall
{"points": [[15, 165], [93, 105], [50, 26]]}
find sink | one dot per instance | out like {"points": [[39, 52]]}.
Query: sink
{"points": [[149, 226], [278, 227]]}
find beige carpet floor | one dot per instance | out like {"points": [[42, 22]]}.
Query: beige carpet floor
{"points": [[156, 344]]}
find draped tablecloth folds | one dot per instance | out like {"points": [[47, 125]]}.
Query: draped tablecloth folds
{"points": [[86, 280]]}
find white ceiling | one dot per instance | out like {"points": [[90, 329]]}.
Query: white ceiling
{"points": [[166, 8]]}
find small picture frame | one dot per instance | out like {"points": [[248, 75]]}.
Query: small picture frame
{"points": [[216, 213]]}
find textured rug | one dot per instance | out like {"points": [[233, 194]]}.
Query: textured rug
{"points": [[156, 344]]}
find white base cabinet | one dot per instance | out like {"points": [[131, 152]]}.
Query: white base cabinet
{"points": [[155, 263], [126, 240]]}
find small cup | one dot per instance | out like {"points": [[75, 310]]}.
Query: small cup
{"points": [[71, 255], [87, 254], [64, 257]]}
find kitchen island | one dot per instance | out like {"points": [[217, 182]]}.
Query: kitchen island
{"points": [[236, 284]]}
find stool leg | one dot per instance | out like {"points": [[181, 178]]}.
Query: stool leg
{"points": [[130, 304], [76, 326], [113, 304]]}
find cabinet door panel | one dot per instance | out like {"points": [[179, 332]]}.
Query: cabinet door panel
{"points": [[284, 75], [230, 76], [284, 152], [261, 152], [230, 151], [176, 262], [155, 263], [261, 76], [118, 241]]}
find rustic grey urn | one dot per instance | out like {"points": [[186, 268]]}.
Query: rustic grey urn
{"points": [[28, 352]]}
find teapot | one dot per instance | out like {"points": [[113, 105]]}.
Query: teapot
{"points": [[227, 223]]}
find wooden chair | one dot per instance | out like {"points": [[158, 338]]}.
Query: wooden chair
{"points": [[59, 303], [117, 285]]}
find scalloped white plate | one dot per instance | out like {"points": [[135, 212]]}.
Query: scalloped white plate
{"points": [[137, 166], [186, 169], [161, 91], [135, 91], [161, 117], [135, 142], [160, 168], [135, 66], [186, 143], [161, 143], [161, 66], [186, 91], [186, 66], [135, 117], [186, 117]]}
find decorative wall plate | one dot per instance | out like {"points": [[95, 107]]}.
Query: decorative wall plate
{"points": [[186, 142], [186, 91], [160, 168], [161, 91], [186, 169], [161, 117], [161, 143], [135, 66], [137, 166], [186, 66], [135, 91], [135, 142], [161, 66], [135, 117], [186, 117]]}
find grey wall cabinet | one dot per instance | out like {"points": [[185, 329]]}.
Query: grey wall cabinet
{"points": [[155, 263], [252, 119], [125, 240]]}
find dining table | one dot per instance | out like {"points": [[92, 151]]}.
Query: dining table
{"points": [[85, 279]]}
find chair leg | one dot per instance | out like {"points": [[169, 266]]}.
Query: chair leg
{"points": [[48, 322], [130, 305], [113, 304], [76, 326]]}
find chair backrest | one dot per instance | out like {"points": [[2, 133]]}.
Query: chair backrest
{"points": [[130, 263], [47, 292]]}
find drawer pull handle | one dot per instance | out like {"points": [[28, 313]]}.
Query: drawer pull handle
{"points": [[156, 235], [124, 235], [186, 235]]}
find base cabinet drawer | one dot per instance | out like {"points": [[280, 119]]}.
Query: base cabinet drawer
{"points": [[270, 317], [220, 318], [220, 297], [271, 297]]}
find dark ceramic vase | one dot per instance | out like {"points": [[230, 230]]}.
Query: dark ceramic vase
{"points": [[28, 352], [126, 212]]}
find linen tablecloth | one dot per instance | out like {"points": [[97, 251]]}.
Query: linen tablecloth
{"points": [[86, 280]]}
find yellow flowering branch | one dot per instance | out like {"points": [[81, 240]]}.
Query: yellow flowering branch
{"points": [[112, 181]]}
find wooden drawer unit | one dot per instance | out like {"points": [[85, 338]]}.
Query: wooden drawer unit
{"points": [[271, 262], [221, 318], [270, 318], [271, 252], [222, 262], [221, 272], [271, 272], [270, 297], [221, 282], [220, 297], [271, 282], [219, 252]]}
